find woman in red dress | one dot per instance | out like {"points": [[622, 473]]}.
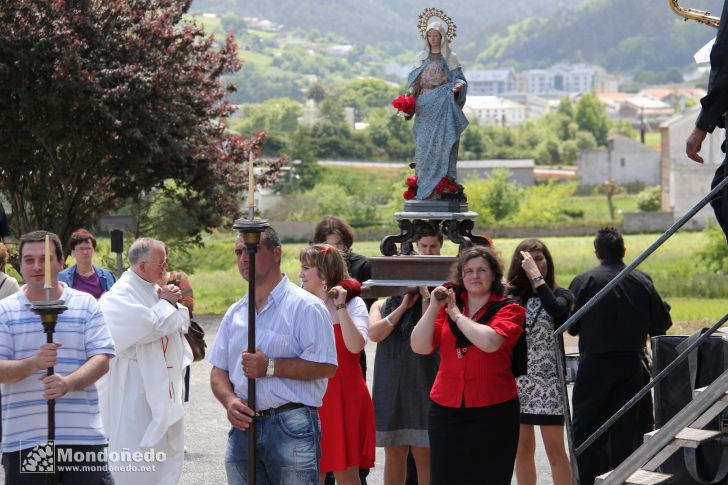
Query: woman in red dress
{"points": [[347, 413]]}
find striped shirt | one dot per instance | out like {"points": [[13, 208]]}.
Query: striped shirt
{"points": [[294, 323], [83, 333]]}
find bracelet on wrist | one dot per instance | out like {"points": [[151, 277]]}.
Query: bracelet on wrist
{"points": [[389, 322], [426, 299], [536, 279], [340, 306], [457, 319]]}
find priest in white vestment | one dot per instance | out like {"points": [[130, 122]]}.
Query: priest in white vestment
{"points": [[141, 396]]}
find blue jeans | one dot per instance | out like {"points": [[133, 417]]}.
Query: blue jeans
{"points": [[288, 449]]}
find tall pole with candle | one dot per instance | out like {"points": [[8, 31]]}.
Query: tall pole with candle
{"points": [[251, 230], [49, 310]]}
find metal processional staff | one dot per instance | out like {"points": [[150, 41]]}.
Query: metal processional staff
{"points": [[251, 230]]}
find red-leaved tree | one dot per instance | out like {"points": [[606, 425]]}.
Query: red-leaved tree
{"points": [[105, 101]]}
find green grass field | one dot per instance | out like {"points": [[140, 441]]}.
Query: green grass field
{"points": [[697, 299]]}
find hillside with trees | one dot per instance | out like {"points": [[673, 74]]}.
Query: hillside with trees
{"points": [[620, 35], [386, 25]]}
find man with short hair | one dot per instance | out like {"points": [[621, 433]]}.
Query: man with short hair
{"points": [[79, 354], [141, 398], [612, 337], [295, 357], [429, 240]]}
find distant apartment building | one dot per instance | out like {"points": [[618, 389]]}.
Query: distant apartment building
{"points": [[565, 78], [491, 82], [494, 110]]}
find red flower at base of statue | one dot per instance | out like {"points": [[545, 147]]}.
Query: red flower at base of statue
{"points": [[405, 104], [446, 186], [411, 191]]}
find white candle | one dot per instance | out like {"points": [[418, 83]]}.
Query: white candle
{"points": [[251, 182], [47, 269]]}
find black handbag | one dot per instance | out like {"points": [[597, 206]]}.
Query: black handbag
{"points": [[709, 462]]}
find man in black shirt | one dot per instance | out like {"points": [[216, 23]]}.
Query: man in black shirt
{"points": [[612, 337], [712, 114]]}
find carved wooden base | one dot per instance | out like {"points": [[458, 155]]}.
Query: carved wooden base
{"points": [[456, 226]]}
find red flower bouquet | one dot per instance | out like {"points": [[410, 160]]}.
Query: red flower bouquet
{"points": [[445, 185], [411, 188], [405, 104]]}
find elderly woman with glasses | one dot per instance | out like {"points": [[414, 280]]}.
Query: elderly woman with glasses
{"points": [[473, 422], [83, 275]]}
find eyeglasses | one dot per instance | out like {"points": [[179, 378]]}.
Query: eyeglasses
{"points": [[83, 249], [163, 263]]}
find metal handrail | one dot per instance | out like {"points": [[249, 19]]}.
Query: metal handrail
{"points": [[647, 252], [614, 282], [655, 380]]}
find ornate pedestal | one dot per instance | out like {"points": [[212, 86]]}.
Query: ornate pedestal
{"points": [[451, 217]]}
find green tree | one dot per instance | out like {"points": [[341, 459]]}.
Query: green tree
{"points": [[622, 127], [278, 115], [472, 141], [365, 94], [316, 92], [233, 23], [566, 107], [591, 116], [305, 171], [585, 140], [569, 151], [543, 204], [649, 200], [495, 196], [332, 110]]}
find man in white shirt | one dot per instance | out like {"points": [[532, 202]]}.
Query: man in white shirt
{"points": [[141, 398]]}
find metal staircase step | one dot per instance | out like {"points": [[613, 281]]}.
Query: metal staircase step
{"points": [[697, 391], [689, 437], [640, 477]]}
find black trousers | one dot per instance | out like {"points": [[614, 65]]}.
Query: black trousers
{"points": [[17, 471], [473, 446], [603, 384], [720, 203]]}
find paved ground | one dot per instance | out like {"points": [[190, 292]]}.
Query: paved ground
{"points": [[206, 426]]}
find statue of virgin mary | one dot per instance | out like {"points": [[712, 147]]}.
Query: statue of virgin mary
{"points": [[439, 87]]}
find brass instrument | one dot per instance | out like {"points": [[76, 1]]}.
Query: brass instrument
{"points": [[697, 15]]}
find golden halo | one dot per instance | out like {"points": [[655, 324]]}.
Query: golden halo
{"points": [[430, 12]]}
